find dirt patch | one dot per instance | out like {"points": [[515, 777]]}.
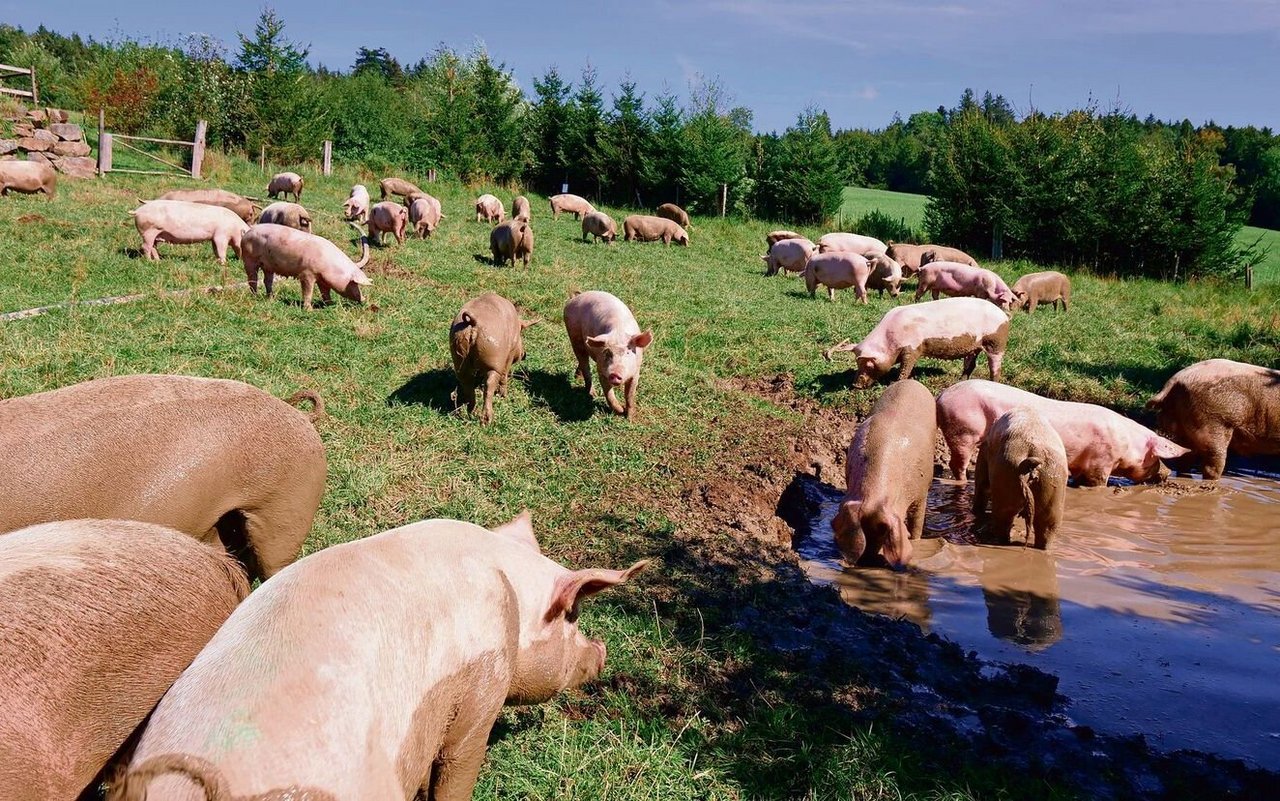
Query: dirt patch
{"points": [[26, 219]]}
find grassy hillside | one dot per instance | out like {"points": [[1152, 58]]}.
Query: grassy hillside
{"points": [[703, 698]]}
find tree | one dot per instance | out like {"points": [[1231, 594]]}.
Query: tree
{"points": [[584, 134], [283, 110], [380, 61], [714, 149], [627, 147], [547, 125], [663, 183], [500, 109]]}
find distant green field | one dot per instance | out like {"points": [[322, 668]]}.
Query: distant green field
{"points": [[1269, 271]]}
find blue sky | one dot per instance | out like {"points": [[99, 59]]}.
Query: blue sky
{"points": [[862, 61]]}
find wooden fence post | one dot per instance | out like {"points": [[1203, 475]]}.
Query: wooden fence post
{"points": [[197, 149], [724, 197], [328, 158], [35, 94], [262, 159], [1248, 276], [431, 175]]}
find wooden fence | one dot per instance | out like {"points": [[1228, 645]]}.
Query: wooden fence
{"points": [[7, 71], [108, 141]]}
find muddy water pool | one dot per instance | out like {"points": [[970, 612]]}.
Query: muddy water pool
{"points": [[1157, 607]]}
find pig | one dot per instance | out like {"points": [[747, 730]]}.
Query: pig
{"points": [[485, 341], [944, 253], [674, 213], [242, 206], [185, 223], [285, 183], [789, 256], [888, 471], [1049, 286], [97, 619], [645, 228], [954, 328], [511, 241], [774, 237], [290, 214], [866, 246], [963, 280], [387, 217], [1219, 405], [837, 270], [313, 260], [356, 206], [28, 177], [907, 255], [520, 208], [599, 225], [397, 186], [1022, 472], [570, 204], [602, 329], [885, 274], [388, 660], [489, 209], [424, 214], [221, 461], [1099, 442]]}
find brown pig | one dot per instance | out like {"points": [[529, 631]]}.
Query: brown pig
{"points": [[511, 241], [888, 470], [221, 461], [424, 214], [290, 214], [944, 253], [837, 270], [242, 206], [907, 255], [397, 186], [1219, 405], [520, 209], [313, 260], [602, 329], [489, 209], [647, 228], [184, 223], [1048, 286], [570, 204], [599, 225], [27, 177], [387, 217], [285, 183], [1022, 472], [97, 619], [485, 341], [374, 669], [674, 213]]}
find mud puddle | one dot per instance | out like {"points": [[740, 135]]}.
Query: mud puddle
{"points": [[1157, 607]]}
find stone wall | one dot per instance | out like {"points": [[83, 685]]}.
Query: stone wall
{"points": [[44, 134]]}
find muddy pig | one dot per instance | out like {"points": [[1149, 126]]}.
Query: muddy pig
{"points": [[774, 237], [646, 228], [397, 186], [184, 223], [356, 206], [520, 209], [485, 341], [1022, 472], [1219, 405], [866, 246], [944, 253], [602, 329], [954, 328], [285, 183], [489, 209], [885, 274], [888, 471], [27, 177], [789, 256], [387, 217], [219, 460], [424, 215], [313, 260], [390, 658], [511, 241], [242, 206], [907, 255], [290, 214], [962, 280], [837, 270], [570, 204], [1049, 286], [674, 213], [599, 225], [1100, 443]]}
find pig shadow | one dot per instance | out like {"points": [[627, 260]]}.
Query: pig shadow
{"points": [[827, 383], [432, 389], [566, 399]]}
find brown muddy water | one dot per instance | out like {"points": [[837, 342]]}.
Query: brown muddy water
{"points": [[1158, 607]]}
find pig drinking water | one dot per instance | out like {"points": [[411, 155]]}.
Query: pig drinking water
{"points": [[602, 329], [374, 669], [485, 341], [387, 217], [789, 256], [599, 225], [647, 228], [424, 214], [242, 206], [1048, 286], [570, 204], [489, 209], [851, 243], [290, 214], [313, 260], [837, 270], [285, 183], [674, 213], [184, 223], [27, 177], [511, 241], [356, 206], [888, 470], [1022, 471], [962, 280]]}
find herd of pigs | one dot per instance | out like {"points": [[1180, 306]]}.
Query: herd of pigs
{"points": [[133, 653]]}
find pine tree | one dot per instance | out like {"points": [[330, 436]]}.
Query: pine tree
{"points": [[547, 123], [628, 146]]}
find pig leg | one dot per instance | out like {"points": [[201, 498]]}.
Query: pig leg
{"points": [[860, 291], [961, 448], [149, 245], [491, 381], [629, 394], [915, 519], [220, 250], [981, 484], [268, 280], [466, 395], [909, 358], [611, 397], [454, 771], [251, 273], [994, 359], [1213, 449], [325, 290], [811, 283], [308, 289], [970, 362], [584, 366], [920, 290]]}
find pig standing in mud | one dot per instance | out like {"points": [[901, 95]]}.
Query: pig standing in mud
{"points": [[955, 328], [570, 204], [837, 270], [290, 214], [391, 658], [397, 186], [485, 341], [511, 241], [943, 253], [313, 260], [1099, 442], [1219, 405], [27, 177], [1048, 286], [789, 256], [356, 206], [520, 209], [221, 461], [674, 213], [387, 217], [647, 228], [489, 209], [599, 225], [1022, 472], [242, 206], [285, 183], [866, 246], [184, 223], [963, 281], [602, 329], [885, 274], [888, 471], [424, 214], [97, 619]]}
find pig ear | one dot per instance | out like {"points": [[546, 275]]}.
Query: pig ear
{"points": [[360, 278], [1166, 449], [642, 339], [597, 342], [572, 587], [520, 529]]}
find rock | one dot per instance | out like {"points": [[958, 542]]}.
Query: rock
{"points": [[9, 157], [8, 146], [77, 167], [39, 157], [67, 132], [24, 129], [46, 136], [33, 145], [57, 115], [37, 115], [71, 149]]}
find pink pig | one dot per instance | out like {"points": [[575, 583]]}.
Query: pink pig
{"points": [[279, 249], [963, 280], [837, 270], [602, 329]]}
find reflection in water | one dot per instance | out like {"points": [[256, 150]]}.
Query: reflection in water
{"points": [[1157, 607]]}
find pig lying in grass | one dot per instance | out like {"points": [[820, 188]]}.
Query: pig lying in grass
{"points": [[674, 213], [356, 206], [647, 228], [520, 209], [285, 183], [1099, 443], [602, 329], [789, 255], [511, 241], [1048, 286], [888, 470], [570, 204], [1022, 471], [388, 217], [313, 260], [242, 206], [485, 341], [962, 280], [866, 246], [27, 177], [424, 214], [837, 270], [290, 214], [599, 225], [397, 186], [219, 460], [183, 223], [489, 209], [374, 669]]}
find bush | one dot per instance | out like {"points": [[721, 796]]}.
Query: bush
{"points": [[885, 227]]}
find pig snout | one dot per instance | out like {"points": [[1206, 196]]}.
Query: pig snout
{"points": [[615, 378]]}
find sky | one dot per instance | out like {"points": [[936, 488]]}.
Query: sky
{"points": [[860, 61]]}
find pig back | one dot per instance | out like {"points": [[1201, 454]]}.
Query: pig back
{"points": [[898, 443], [485, 335]]}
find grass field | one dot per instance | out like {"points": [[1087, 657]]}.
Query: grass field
{"points": [[695, 703]]}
